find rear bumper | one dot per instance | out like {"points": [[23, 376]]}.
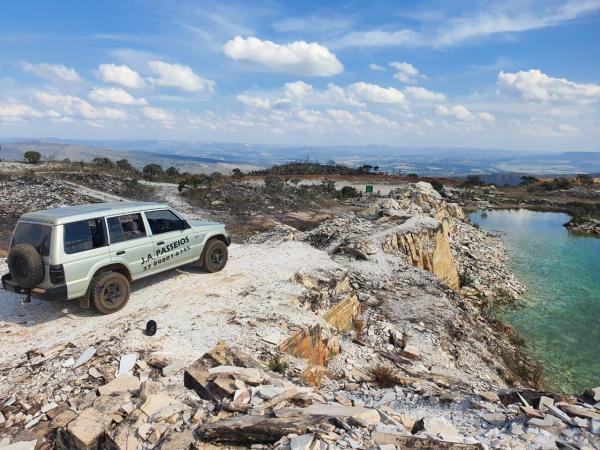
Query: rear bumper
{"points": [[58, 292]]}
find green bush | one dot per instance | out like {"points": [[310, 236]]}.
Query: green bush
{"points": [[32, 157]]}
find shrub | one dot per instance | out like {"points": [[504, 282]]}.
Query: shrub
{"points": [[349, 192], [152, 171], [172, 172], [274, 183], [384, 376], [102, 162], [437, 186], [465, 279], [278, 364], [237, 173], [328, 186], [123, 164], [32, 157]]}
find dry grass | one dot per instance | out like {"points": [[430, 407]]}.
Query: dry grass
{"points": [[384, 376]]}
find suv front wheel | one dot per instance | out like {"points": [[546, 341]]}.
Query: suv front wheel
{"points": [[214, 256], [110, 292]]}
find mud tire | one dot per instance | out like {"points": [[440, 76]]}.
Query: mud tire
{"points": [[110, 292], [25, 265], [215, 255]]}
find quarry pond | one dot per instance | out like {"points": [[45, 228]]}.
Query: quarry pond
{"points": [[559, 318]]}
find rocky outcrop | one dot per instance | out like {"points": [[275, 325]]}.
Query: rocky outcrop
{"points": [[426, 246]]}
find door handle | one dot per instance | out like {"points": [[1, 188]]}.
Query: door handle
{"points": [[160, 243], [120, 252]]}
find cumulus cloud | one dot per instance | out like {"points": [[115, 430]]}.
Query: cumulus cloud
{"points": [[341, 96], [123, 75], [376, 67], [16, 111], [297, 57], [309, 116], [537, 86], [179, 76], [420, 93], [407, 73], [114, 95], [254, 102], [378, 120], [373, 93], [70, 105], [56, 72], [158, 114], [297, 89], [458, 112], [344, 117]]}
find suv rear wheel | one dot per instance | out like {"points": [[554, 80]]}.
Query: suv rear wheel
{"points": [[214, 256], [110, 292]]}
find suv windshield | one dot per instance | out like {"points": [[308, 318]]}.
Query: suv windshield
{"points": [[34, 234]]}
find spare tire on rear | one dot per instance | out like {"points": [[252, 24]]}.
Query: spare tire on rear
{"points": [[25, 265]]}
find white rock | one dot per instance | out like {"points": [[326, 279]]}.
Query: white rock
{"points": [[127, 363], [301, 442], [85, 357], [21, 445]]}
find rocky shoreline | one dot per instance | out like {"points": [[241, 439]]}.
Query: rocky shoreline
{"points": [[382, 341]]}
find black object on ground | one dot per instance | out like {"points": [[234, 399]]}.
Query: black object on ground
{"points": [[150, 328]]}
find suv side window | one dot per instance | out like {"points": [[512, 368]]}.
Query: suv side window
{"points": [[84, 235], [163, 221], [126, 227]]}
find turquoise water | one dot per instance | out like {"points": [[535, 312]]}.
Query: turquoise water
{"points": [[560, 320]]}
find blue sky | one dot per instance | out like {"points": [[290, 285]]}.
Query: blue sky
{"points": [[508, 74]]}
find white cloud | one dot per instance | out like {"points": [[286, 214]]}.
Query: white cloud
{"points": [[309, 116], [17, 111], [70, 105], [380, 38], [123, 75], [537, 86], [486, 117], [407, 73], [159, 115], [458, 112], [420, 93], [511, 16], [376, 119], [373, 93], [339, 95], [179, 76], [344, 117], [57, 72], [254, 102], [297, 57], [376, 67], [297, 89], [114, 95]]}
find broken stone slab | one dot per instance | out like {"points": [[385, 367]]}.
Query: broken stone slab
{"points": [[579, 411], [302, 442], [156, 402], [178, 440], [423, 443], [363, 416], [247, 430], [531, 411], [342, 315], [246, 374], [127, 363], [593, 394], [267, 392], [488, 396], [123, 383], [20, 445], [226, 385], [85, 357], [494, 418], [86, 432], [173, 368], [312, 345], [149, 388], [560, 414], [411, 351], [438, 428]]}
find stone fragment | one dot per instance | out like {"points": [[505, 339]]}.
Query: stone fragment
{"points": [[173, 368], [439, 428], [301, 442], [149, 388], [85, 357], [494, 419], [267, 392], [86, 432], [545, 403], [312, 345], [249, 375], [579, 411], [530, 411], [123, 383], [342, 315], [20, 445], [94, 373], [48, 407], [593, 394], [156, 402], [127, 363], [178, 440], [489, 396], [63, 419], [410, 351]]}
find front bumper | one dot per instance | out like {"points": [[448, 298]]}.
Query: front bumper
{"points": [[58, 292], [227, 239]]}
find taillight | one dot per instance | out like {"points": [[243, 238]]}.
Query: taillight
{"points": [[57, 274]]}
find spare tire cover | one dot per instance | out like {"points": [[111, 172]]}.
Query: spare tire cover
{"points": [[25, 265]]}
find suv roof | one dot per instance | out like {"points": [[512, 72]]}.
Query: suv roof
{"points": [[66, 214]]}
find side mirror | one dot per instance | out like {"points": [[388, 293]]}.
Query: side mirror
{"points": [[186, 225]]}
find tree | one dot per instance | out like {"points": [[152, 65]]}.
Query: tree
{"points": [[237, 173], [274, 183], [584, 179], [528, 179], [152, 171], [123, 164], [473, 180], [350, 191], [437, 186], [172, 172], [102, 162], [413, 175], [328, 186], [32, 157]]}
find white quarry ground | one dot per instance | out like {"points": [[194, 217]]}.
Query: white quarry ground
{"points": [[192, 308]]}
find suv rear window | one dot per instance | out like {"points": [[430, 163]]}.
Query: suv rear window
{"points": [[34, 234], [84, 235], [163, 221], [124, 228]]}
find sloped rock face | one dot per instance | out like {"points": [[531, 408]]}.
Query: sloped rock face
{"points": [[426, 247]]}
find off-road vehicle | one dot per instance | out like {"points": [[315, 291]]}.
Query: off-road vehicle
{"points": [[93, 252]]}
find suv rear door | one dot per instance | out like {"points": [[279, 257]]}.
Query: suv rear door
{"points": [[130, 244], [173, 245]]}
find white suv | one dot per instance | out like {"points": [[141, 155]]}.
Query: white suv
{"points": [[93, 252]]}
